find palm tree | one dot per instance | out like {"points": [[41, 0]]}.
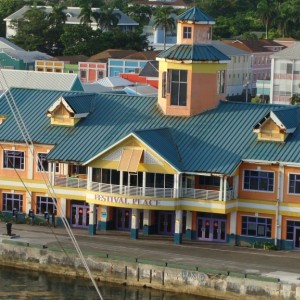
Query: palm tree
{"points": [[266, 12], [86, 14], [57, 16], [164, 20], [106, 18]]}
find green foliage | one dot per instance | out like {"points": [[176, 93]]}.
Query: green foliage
{"points": [[295, 100]]}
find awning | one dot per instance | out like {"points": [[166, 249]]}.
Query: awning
{"points": [[130, 159]]}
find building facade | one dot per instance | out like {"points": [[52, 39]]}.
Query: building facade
{"points": [[285, 76], [186, 164]]}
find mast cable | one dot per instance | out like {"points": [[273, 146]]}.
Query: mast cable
{"points": [[20, 122]]}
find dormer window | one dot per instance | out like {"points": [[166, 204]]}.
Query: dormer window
{"points": [[187, 32], [69, 110], [277, 125]]}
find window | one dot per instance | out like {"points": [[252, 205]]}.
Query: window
{"points": [[106, 176], [187, 32], [42, 162], [258, 227], [13, 159], [290, 227], [83, 74], [178, 87], [158, 180], [45, 204], [11, 201], [221, 82], [164, 82], [56, 168], [209, 180], [294, 183], [289, 68], [100, 74], [258, 181]]}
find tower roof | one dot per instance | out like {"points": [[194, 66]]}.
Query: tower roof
{"points": [[193, 53], [196, 15]]}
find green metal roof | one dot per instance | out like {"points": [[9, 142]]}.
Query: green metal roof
{"points": [[162, 141], [194, 53], [214, 141], [81, 103], [289, 117], [196, 15]]}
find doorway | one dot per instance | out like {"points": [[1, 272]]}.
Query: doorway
{"points": [[211, 229], [80, 215]]}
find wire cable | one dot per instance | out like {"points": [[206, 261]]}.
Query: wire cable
{"points": [[27, 139]]}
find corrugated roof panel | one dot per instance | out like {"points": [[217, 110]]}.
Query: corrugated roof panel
{"points": [[213, 141], [194, 53], [288, 116], [195, 14]]}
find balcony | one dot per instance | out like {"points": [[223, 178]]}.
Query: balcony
{"points": [[139, 191]]}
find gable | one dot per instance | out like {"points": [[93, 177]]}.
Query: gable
{"points": [[132, 155]]}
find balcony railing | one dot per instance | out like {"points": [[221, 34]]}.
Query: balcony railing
{"points": [[139, 191], [71, 182], [200, 194]]}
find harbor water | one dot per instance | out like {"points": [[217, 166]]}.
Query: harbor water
{"points": [[19, 284]]}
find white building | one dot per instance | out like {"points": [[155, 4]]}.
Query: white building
{"points": [[285, 75]]}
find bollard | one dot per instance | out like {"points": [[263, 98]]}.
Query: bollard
{"points": [[8, 228]]}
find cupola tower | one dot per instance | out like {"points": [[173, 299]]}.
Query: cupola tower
{"points": [[192, 72]]}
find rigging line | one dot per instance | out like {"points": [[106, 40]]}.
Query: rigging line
{"points": [[20, 122], [34, 203]]}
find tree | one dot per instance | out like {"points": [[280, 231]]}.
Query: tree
{"points": [[86, 14], [7, 7], [106, 18], [266, 12], [295, 100], [164, 19], [32, 29], [57, 19], [79, 39]]}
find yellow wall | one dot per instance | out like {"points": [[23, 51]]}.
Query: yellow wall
{"points": [[142, 167]]}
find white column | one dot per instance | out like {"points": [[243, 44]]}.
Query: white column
{"points": [[31, 162], [178, 227], [28, 202], [189, 215], [221, 189], [92, 219], [65, 169], [63, 206], [89, 177], [144, 184], [146, 220], [225, 189], [121, 181], [233, 217], [176, 185], [134, 223]]}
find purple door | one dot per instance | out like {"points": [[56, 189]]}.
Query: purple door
{"points": [[211, 229], [80, 216], [297, 238], [166, 223], [123, 220]]}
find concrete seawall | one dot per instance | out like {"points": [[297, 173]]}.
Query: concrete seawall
{"points": [[167, 277]]}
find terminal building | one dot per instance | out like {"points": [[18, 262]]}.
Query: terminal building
{"points": [[186, 164]]}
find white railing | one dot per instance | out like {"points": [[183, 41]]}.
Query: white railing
{"points": [[71, 182], [200, 194], [132, 190], [139, 191]]}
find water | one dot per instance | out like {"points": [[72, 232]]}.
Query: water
{"points": [[16, 284]]}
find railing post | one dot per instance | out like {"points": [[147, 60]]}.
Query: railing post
{"points": [[225, 188]]}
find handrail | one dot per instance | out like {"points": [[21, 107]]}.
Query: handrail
{"points": [[139, 191]]}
